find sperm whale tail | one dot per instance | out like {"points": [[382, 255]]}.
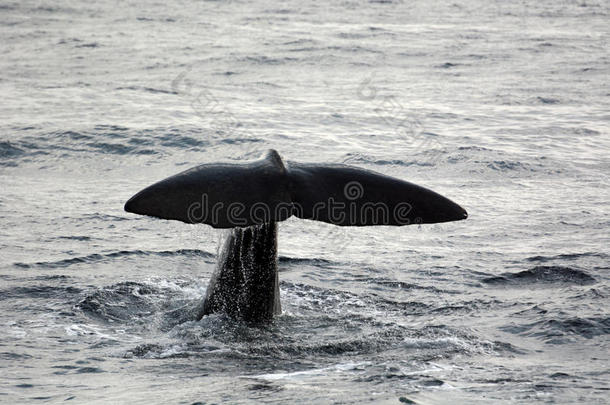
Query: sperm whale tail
{"points": [[228, 195], [252, 197]]}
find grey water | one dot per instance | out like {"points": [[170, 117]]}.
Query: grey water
{"points": [[502, 106]]}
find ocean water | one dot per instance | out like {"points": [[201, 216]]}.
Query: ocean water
{"points": [[502, 106]]}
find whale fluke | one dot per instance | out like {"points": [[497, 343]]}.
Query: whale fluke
{"points": [[252, 197], [350, 196], [222, 195], [239, 195]]}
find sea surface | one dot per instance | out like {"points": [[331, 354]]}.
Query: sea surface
{"points": [[502, 106]]}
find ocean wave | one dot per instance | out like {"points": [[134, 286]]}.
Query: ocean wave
{"points": [[396, 284], [8, 150], [599, 293], [566, 256], [39, 291], [231, 340], [542, 275], [114, 148], [465, 307], [485, 160], [88, 45], [129, 301], [335, 49], [410, 307], [175, 139], [503, 165], [107, 139], [497, 165], [437, 341], [14, 356], [150, 305], [148, 89], [79, 238], [52, 277], [39, 146], [154, 351], [547, 100], [123, 301], [586, 327], [266, 60], [341, 346], [448, 65], [317, 262], [98, 257], [367, 159], [304, 297], [556, 329]]}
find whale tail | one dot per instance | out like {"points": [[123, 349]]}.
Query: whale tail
{"points": [[252, 197], [268, 190]]}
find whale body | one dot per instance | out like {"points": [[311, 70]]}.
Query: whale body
{"points": [[250, 198], [245, 284]]}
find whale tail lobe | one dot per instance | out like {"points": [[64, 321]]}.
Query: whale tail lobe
{"points": [[268, 190]]}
